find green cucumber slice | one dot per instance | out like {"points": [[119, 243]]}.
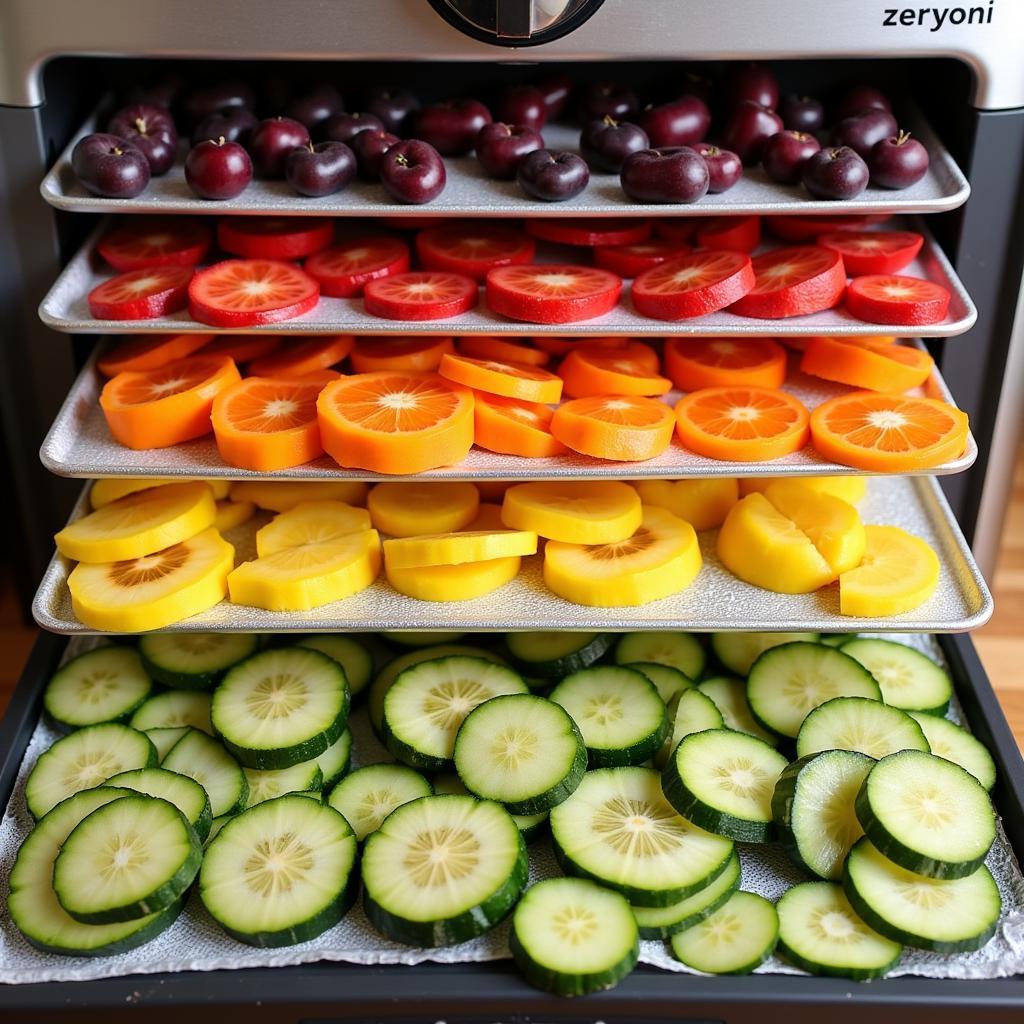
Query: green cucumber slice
{"points": [[857, 723], [521, 750], [351, 655], [202, 758], [370, 794], [572, 937], [305, 777], [216, 826], [689, 711], [531, 826], [738, 651], [619, 830], [681, 651], [106, 684], [193, 661], [820, 932], [668, 681], [556, 655], [836, 639], [953, 915], [184, 793], [730, 697], [281, 872], [164, 737], [173, 710], [956, 744], [442, 869], [335, 760], [735, 939], [908, 679]]}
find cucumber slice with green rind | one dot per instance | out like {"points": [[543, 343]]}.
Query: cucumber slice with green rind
{"points": [[305, 777], [956, 744], [668, 681], [83, 759], [442, 869], [723, 781], [523, 751], [216, 826], [184, 793], [281, 707], [174, 709], [106, 684], [820, 932], [661, 922], [738, 651], [735, 939], [370, 794], [730, 697], [531, 826], [909, 680], [428, 702], [202, 758], [619, 713], [281, 872], [942, 915], [681, 651], [555, 655], [813, 809], [790, 680], [193, 661], [164, 738], [856, 723], [335, 760], [927, 814], [126, 860], [572, 937], [619, 830], [689, 711], [351, 655]]}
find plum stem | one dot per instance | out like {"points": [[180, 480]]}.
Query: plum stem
{"points": [[902, 137]]}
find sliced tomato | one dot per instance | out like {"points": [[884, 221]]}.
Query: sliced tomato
{"points": [[590, 230], [632, 260], [742, 234], [794, 281], [552, 293], [247, 293], [141, 294], [420, 295], [473, 248], [676, 229], [155, 242], [695, 285], [274, 238], [897, 299], [343, 270], [805, 228], [873, 252]]}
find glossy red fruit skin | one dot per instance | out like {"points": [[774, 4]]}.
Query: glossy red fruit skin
{"points": [[861, 132], [413, 172], [680, 123], [274, 238], [150, 129], [749, 127], [801, 113], [555, 90], [552, 177], [321, 169], [501, 147], [688, 303], [835, 173], [215, 170], [816, 292], [606, 143], [738, 234], [345, 285], [233, 125], [898, 162], [785, 154], [169, 299], [394, 108], [675, 175], [607, 99], [344, 127], [521, 305], [590, 231], [929, 308], [859, 99], [369, 148], [754, 82], [452, 127], [315, 106], [381, 303], [204, 100], [108, 166], [632, 260], [725, 168], [523, 104], [271, 141], [192, 241]]}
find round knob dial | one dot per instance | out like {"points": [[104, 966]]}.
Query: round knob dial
{"points": [[516, 22]]}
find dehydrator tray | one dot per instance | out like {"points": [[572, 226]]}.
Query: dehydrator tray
{"points": [[469, 192], [195, 943], [65, 308], [716, 600], [79, 444]]}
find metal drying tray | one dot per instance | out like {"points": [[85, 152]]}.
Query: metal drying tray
{"points": [[65, 308], [80, 445], [470, 192], [717, 600]]}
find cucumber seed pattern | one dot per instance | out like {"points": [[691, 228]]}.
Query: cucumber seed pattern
{"points": [[575, 925], [441, 856], [512, 747], [277, 696], [639, 828], [277, 864]]}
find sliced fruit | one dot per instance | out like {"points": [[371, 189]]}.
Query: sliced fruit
{"points": [[908, 679], [729, 695], [552, 293], [410, 509], [513, 427], [850, 489], [248, 293], [473, 247], [510, 380], [693, 285], [343, 270], [453, 582], [634, 356], [898, 573], [503, 350], [202, 758], [623, 428], [663, 922], [577, 512], [110, 488], [742, 424], [553, 655], [661, 558], [174, 709], [795, 281], [632, 259], [695, 363], [298, 358], [268, 784], [396, 422], [311, 522], [370, 794], [193, 661], [141, 294], [703, 503], [873, 252], [142, 242], [681, 652], [590, 230], [738, 651], [735, 939], [675, 229], [603, 372], [458, 548], [105, 684], [420, 295], [688, 711], [399, 355], [150, 352], [741, 234], [243, 348], [274, 238], [804, 228], [956, 744], [284, 495], [896, 299], [867, 364], [858, 723], [563, 346]]}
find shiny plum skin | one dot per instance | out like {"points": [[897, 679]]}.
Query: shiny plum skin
{"points": [[271, 141], [859, 100], [606, 143], [501, 147], [523, 104], [452, 127], [150, 129], [553, 177], [205, 100], [606, 99], [315, 106], [835, 173], [321, 169], [753, 82], [555, 90], [680, 123], [801, 113], [344, 127], [234, 124], [413, 172], [725, 168], [218, 169], [749, 127], [785, 154], [394, 108], [898, 162], [369, 148], [109, 166], [863, 131], [673, 175]]}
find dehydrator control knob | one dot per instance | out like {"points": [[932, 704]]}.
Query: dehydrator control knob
{"points": [[516, 22]]}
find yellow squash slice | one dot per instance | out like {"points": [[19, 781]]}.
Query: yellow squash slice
{"points": [[105, 491], [702, 503], [458, 548], [576, 512], [233, 513], [899, 572], [312, 522], [848, 488], [409, 509], [281, 495], [454, 582]]}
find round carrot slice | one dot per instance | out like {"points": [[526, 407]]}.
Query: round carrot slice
{"points": [[888, 433], [423, 295], [274, 238], [694, 285], [141, 294], [512, 427], [243, 348], [247, 293], [629, 350], [741, 424], [505, 351], [396, 422], [473, 248], [265, 424], [511, 380], [417, 355], [742, 234], [603, 372], [695, 363], [150, 352], [873, 252], [590, 230], [552, 293], [793, 281], [624, 428], [301, 356], [896, 299], [876, 366], [155, 242], [343, 270], [632, 260], [562, 346], [158, 408], [800, 344]]}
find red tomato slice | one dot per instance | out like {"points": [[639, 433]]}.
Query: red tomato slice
{"points": [[473, 249], [741, 234], [420, 295], [695, 285], [343, 269], [274, 238], [805, 228], [873, 252], [246, 293], [141, 294], [552, 293], [794, 281], [155, 242], [897, 299], [632, 260], [676, 229], [590, 230]]}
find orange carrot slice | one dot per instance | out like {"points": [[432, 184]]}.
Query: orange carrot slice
{"points": [[511, 380]]}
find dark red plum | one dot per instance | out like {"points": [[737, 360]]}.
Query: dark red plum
{"points": [[522, 104], [754, 82], [321, 169], [150, 129], [394, 108], [749, 127], [835, 173], [674, 175], [500, 147], [313, 108], [218, 169], [233, 125], [369, 148], [555, 90], [109, 166], [725, 168], [553, 177], [801, 113], [344, 127], [413, 172], [452, 127], [204, 100], [859, 100], [680, 123], [606, 143], [898, 162], [606, 99], [785, 154], [271, 141], [861, 133]]}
